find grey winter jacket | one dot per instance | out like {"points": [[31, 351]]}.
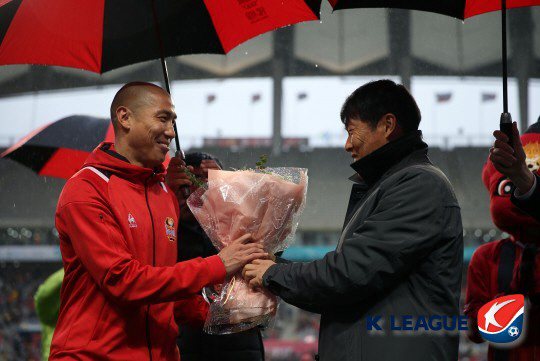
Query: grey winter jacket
{"points": [[400, 254]]}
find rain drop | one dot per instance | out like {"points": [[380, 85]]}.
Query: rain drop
{"points": [[316, 65], [246, 53]]}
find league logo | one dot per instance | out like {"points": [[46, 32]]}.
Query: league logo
{"points": [[501, 321]]}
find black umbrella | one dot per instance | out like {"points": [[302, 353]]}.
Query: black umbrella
{"points": [[461, 9]]}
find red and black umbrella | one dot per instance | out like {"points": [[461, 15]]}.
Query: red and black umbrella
{"points": [[59, 149], [101, 35], [460, 9]]}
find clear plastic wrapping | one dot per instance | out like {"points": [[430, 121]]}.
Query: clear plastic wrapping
{"points": [[265, 203]]}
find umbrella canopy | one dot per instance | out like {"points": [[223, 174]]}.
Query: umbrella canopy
{"points": [[59, 149], [100, 35], [461, 9]]}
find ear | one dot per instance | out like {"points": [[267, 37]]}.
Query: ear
{"points": [[124, 116], [389, 126]]}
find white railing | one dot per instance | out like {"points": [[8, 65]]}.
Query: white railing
{"points": [[445, 142]]}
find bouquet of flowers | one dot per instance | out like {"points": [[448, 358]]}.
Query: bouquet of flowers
{"points": [[267, 204]]}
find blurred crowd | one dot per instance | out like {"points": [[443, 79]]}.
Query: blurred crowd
{"points": [[291, 337], [19, 330], [28, 236], [49, 236]]}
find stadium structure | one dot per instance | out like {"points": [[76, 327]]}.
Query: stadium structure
{"points": [[358, 42]]}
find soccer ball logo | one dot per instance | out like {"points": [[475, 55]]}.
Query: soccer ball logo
{"points": [[500, 321], [513, 331]]}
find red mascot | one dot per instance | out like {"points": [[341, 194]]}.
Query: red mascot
{"points": [[509, 265]]}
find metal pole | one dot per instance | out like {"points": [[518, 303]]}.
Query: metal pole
{"points": [[506, 118], [164, 69], [283, 40], [504, 59], [399, 28], [520, 23]]}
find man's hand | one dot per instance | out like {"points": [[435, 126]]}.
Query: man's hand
{"points": [[176, 174], [253, 273], [511, 162], [240, 252]]}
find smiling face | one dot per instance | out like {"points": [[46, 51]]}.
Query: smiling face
{"points": [[147, 123], [362, 139]]}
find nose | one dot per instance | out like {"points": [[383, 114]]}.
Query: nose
{"points": [[169, 132], [348, 144]]}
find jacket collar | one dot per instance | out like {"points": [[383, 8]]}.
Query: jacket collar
{"points": [[371, 168], [109, 149], [106, 158]]}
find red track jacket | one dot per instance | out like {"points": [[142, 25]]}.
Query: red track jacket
{"points": [[117, 224]]}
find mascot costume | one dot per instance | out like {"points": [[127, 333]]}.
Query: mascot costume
{"points": [[510, 265]]}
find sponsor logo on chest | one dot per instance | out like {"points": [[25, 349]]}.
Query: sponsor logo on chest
{"points": [[131, 221]]}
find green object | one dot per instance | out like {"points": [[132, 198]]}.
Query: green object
{"points": [[47, 302], [261, 164], [196, 181]]}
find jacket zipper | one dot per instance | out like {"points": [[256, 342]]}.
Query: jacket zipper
{"points": [[148, 340]]}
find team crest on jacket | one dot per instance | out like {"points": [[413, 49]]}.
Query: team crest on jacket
{"points": [[169, 229], [501, 321]]}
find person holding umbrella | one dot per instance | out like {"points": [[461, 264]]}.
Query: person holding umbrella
{"points": [[509, 265], [117, 221], [512, 161]]}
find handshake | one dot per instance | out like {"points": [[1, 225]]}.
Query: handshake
{"points": [[251, 256]]}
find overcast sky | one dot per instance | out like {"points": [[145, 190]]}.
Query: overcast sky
{"points": [[464, 110]]}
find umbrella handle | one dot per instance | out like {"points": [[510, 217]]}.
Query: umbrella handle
{"points": [[506, 127]]}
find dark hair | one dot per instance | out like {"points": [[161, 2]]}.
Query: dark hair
{"points": [[375, 99], [194, 159]]}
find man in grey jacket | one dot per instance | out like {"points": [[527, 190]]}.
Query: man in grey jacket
{"points": [[390, 290]]}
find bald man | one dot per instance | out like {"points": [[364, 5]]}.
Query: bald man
{"points": [[117, 221]]}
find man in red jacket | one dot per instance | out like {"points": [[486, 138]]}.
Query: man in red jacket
{"points": [[117, 223]]}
